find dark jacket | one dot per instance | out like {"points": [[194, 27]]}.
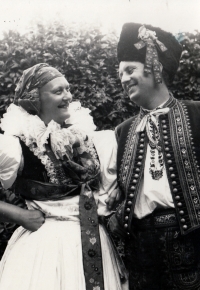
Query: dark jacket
{"points": [[180, 138]]}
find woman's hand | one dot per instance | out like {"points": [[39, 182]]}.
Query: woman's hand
{"points": [[32, 220]]}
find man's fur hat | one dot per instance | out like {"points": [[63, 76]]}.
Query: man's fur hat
{"points": [[143, 42]]}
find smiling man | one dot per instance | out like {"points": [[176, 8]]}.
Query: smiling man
{"points": [[158, 161]]}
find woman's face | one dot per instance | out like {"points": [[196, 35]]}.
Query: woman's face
{"points": [[55, 97]]}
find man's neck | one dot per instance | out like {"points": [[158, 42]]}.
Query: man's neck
{"points": [[159, 98]]}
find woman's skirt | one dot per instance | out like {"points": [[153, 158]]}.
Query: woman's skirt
{"points": [[51, 259]]}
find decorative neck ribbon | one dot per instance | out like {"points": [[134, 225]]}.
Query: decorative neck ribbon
{"points": [[148, 38], [151, 119], [150, 122]]}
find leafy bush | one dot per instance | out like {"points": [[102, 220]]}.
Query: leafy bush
{"points": [[88, 59]]}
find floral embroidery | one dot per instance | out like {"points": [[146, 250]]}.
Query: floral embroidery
{"points": [[96, 288], [93, 241]]}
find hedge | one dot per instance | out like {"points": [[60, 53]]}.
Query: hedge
{"points": [[87, 57]]}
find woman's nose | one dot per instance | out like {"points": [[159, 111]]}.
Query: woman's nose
{"points": [[67, 96]]}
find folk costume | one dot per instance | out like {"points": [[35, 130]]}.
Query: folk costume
{"points": [[67, 174], [158, 172]]}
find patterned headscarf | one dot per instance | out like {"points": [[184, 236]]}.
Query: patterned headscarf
{"points": [[27, 90]]}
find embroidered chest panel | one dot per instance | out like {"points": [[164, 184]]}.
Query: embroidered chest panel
{"points": [[184, 173]]}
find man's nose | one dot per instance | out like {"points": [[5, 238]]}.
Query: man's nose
{"points": [[125, 78]]}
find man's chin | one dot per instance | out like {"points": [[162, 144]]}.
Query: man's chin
{"points": [[134, 97]]}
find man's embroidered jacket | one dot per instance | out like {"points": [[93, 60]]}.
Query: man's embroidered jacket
{"points": [[180, 138]]}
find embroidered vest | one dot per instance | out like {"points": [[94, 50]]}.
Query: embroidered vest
{"points": [[33, 183], [180, 138]]}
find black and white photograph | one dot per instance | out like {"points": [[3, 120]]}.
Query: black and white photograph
{"points": [[100, 145]]}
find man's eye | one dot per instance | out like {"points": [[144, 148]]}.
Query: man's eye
{"points": [[130, 70], [59, 92]]}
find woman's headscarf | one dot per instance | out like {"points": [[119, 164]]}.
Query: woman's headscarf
{"points": [[27, 90]]}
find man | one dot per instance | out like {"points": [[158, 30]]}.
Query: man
{"points": [[158, 161]]}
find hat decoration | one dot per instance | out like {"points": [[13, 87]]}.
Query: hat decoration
{"points": [[148, 38]]}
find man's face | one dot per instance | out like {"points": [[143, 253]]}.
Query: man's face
{"points": [[138, 86], [55, 98]]}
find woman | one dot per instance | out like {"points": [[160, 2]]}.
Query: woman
{"points": [[55, 167]]}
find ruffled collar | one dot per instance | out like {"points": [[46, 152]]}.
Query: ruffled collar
{"points": [[35, 134], [18, 122]]}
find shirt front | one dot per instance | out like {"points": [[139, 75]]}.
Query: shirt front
{"points": [[153, 193]]}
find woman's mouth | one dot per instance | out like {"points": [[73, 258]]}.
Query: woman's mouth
{"points": [[63, 106]]}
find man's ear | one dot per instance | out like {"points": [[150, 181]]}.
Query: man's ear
{"points": [[161, 66]]}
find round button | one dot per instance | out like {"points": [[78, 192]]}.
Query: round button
{"points": [[165, 131], [169, 161], [168, 155], [165, 137], [137, 169], [125, 226], [126, 218], [166, 142], [140, 157], [141, 140], [181, 212], [182, 220], [173, 175], [132, 188], [141, 145], [163, 121], [164, 126], [179, 204], [175, 190], [129, 202], [136, 175], [128, 209], [131, 195], [141, 151], [167, 149], [185, 227], [174, 182], [134, 181], [142, 135], [171, 168], [139, 163], [177, 197]]}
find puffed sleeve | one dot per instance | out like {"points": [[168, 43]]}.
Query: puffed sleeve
{"points": [[106, 146], [10, 159]]}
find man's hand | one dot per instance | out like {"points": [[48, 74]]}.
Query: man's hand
{"points": [[32, 220], [114, 197], [115, 228]]}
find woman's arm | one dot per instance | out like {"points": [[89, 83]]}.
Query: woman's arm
{"points": [[31, 220]]}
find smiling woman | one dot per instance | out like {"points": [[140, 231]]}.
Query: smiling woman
{"points": [[55, 97], [57, 169]]}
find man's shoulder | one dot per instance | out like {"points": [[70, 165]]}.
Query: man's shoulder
{"points": [[124, 126], [126, 122]]}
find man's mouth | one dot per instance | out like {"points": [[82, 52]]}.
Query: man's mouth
{"points": [[130, 87]]}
